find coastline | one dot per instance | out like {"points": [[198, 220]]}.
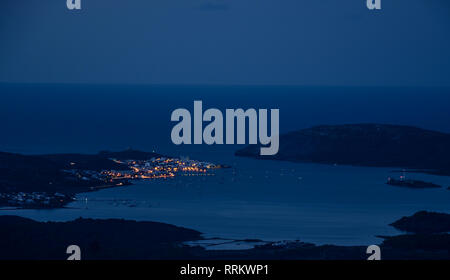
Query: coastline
{"points": [[52, 181], [150, 240], [294, 250], [365, 144]]}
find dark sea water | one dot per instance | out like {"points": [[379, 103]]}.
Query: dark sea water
{"points": [[268, 200], [81, 118]]}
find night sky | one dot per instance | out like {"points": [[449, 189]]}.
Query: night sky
{"points": [[282, 42]]}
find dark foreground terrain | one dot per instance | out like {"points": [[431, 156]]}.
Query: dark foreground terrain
{"points": [[377, 145], [22, 238]]}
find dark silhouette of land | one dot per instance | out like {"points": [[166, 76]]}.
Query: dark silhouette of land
{"points": [[412, 184], [22, 238], [377, 145], [424, 222]]}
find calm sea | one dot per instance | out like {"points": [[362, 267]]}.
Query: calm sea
{"points": [[267, 200]]}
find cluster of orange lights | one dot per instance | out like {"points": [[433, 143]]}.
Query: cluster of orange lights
{"points": [[117, 176], [154, 172], [193, 169]]}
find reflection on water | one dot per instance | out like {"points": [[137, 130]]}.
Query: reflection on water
{"points": [[266, 200]]}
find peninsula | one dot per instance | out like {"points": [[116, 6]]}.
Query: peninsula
{"points": [[51, 181]]}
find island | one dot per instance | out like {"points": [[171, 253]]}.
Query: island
{"points": [[373, 145], [412, 184]]}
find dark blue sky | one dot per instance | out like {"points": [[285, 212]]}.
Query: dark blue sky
{"points": [[291, 42]]}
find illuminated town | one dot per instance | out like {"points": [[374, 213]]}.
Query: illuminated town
{"points": [[154, 168], [35, 199], [158, 168]]}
